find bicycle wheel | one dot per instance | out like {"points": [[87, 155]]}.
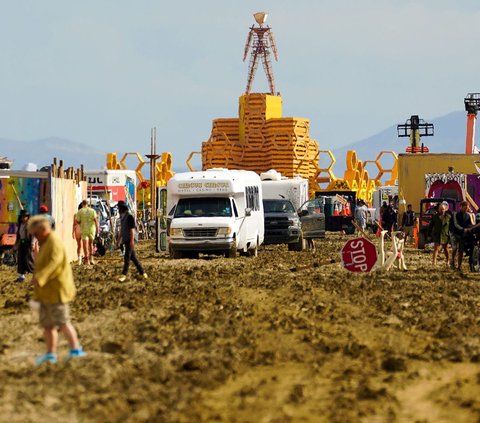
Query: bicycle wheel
{"points": [[108, 241], [10, 258], [474, 259]]}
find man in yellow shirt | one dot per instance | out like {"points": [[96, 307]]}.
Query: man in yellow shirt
{"points": [[54, 289]]}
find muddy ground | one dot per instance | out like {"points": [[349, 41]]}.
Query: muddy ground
{"points": [[247, 340]]}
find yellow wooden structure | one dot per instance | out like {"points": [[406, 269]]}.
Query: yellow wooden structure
{"points": [[413, 167], [356, 177], [261, 139]]}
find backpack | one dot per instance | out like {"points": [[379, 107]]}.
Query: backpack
{"points": [[101, 250]]}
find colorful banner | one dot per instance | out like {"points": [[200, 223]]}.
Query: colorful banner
{"points": [[17, 193]]}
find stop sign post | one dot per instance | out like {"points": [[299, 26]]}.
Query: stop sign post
{"points": [[359, 255]]}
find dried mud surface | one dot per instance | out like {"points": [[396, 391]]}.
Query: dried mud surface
{"points": [[247, 340]]}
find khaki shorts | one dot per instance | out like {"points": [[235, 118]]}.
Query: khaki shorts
{"points": [[52, 315], [408, 230]]}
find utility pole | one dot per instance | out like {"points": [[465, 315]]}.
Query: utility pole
{"points": [[153, 157]]}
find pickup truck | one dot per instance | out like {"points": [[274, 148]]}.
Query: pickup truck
{"points": [[285, 225], [282, 224]]}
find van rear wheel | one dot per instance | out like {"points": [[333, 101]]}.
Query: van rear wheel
{"points": [[254, 251]]}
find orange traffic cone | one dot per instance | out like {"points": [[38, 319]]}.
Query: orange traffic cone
{"points": [[348, 212], [335, 211], [415, 234]]}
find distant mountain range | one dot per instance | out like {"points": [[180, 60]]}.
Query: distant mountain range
{"points": [[449, 137], [41, 152]]}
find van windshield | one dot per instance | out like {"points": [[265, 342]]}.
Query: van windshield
{"points": [[278, 206], [203, 207]]}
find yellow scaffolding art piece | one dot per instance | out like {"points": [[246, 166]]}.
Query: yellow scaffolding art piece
{"points": [[261, 139], [356, 177]]}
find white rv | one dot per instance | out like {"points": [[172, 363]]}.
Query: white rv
{"points": [[216, 211], [275, 186]]}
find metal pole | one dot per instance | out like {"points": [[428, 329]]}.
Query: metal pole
{"points": [[153, 174]]}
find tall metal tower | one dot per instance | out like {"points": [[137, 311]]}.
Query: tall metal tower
{"points": [[415, 128], [472, 107], [260, 40]]}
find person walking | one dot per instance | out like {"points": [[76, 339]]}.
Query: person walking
{"points": [[361, 212], [409, 220], [89, 228], [459, 229], [383, 207], [54, 289], [127, 240], [439, 232], [24, 247], [77, 235], [389, 218]]}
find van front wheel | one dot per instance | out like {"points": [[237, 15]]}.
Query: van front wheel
{"points": [[232, 252], [175, 254]]}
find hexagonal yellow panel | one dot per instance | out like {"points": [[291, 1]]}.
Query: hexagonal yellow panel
{"points": [[328, 170], [393, 170], [138, 169], [190, 158], [300, 150]]}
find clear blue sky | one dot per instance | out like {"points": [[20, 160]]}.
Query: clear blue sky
{"points": [[103, 72]]}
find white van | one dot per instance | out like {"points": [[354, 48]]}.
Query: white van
{"points": [[216, 211]]}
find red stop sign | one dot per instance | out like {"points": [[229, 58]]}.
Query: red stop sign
{"points": [[359, 255]]}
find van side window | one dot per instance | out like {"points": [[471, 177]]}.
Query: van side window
{"points": [[252, 198], [235, 212]]}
